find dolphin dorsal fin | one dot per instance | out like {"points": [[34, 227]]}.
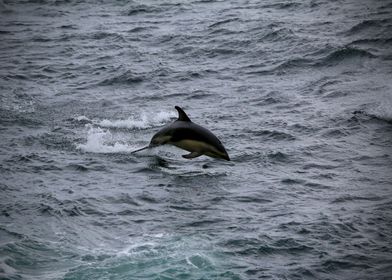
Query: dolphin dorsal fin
{"points": [[182, 115]]}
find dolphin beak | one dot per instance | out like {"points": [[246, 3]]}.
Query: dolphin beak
{"points": [[151, 145], [141, 149]]}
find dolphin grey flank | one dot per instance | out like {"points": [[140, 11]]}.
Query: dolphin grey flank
{"points": [[185, 134]]}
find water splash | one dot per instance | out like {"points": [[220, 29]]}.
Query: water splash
{"points": [[145, 120], [142, 121], [103, 141]]}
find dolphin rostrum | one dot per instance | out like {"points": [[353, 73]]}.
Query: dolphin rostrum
{"points": [[185, 134]]}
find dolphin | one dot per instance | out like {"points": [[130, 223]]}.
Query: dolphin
{"points": [[185, 134]]}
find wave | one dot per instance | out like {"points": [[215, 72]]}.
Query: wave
{"points": [[141, 29], [373, 24], [199, 94], [349, 198], [113, 37], [283, 66], [359, 263], [142, 9], [383, 110], [335, 133], [128, 77], [273, 135], [220, 22], [222, 51], [341, 55], [277, 35], [345, 53], [190, 75], [4, 8], [282, 5], [260, 247], [278, 157], [373, 41]]}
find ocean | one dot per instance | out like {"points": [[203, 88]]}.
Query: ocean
{"points": [[299, 93]]}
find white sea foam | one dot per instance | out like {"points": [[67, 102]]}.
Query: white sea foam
{"points": [[192, 250], [102, 141], [82, 118], [143, 121]]}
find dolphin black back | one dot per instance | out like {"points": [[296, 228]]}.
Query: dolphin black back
{"points": [[192, 131]]}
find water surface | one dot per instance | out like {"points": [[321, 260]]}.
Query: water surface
{"points": [[300, 94]]}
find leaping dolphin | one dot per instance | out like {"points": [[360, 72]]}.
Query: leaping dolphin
{"points": [[185, 134]]}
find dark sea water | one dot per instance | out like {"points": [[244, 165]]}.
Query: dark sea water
{"points": [[299, 92]]}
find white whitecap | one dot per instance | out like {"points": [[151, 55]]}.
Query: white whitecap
{"points": [[82, 118], [139, 122], [102, 141]]}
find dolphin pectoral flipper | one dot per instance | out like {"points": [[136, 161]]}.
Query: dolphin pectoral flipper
{"points": [[192, 155]]}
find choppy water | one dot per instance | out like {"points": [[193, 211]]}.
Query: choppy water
{"points": [[299, 92]]}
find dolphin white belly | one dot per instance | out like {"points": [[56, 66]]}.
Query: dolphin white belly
{"points": [[198, 147]]}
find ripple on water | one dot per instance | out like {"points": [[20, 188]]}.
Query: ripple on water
{"points": [[273, 135], [351, 198], [279, 157], [370, 26], [262, 248], [344, 55], [127, 78], [137, 9]]}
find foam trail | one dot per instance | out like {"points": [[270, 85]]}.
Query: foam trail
{"points": [[145, 120], [101, 141]]}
